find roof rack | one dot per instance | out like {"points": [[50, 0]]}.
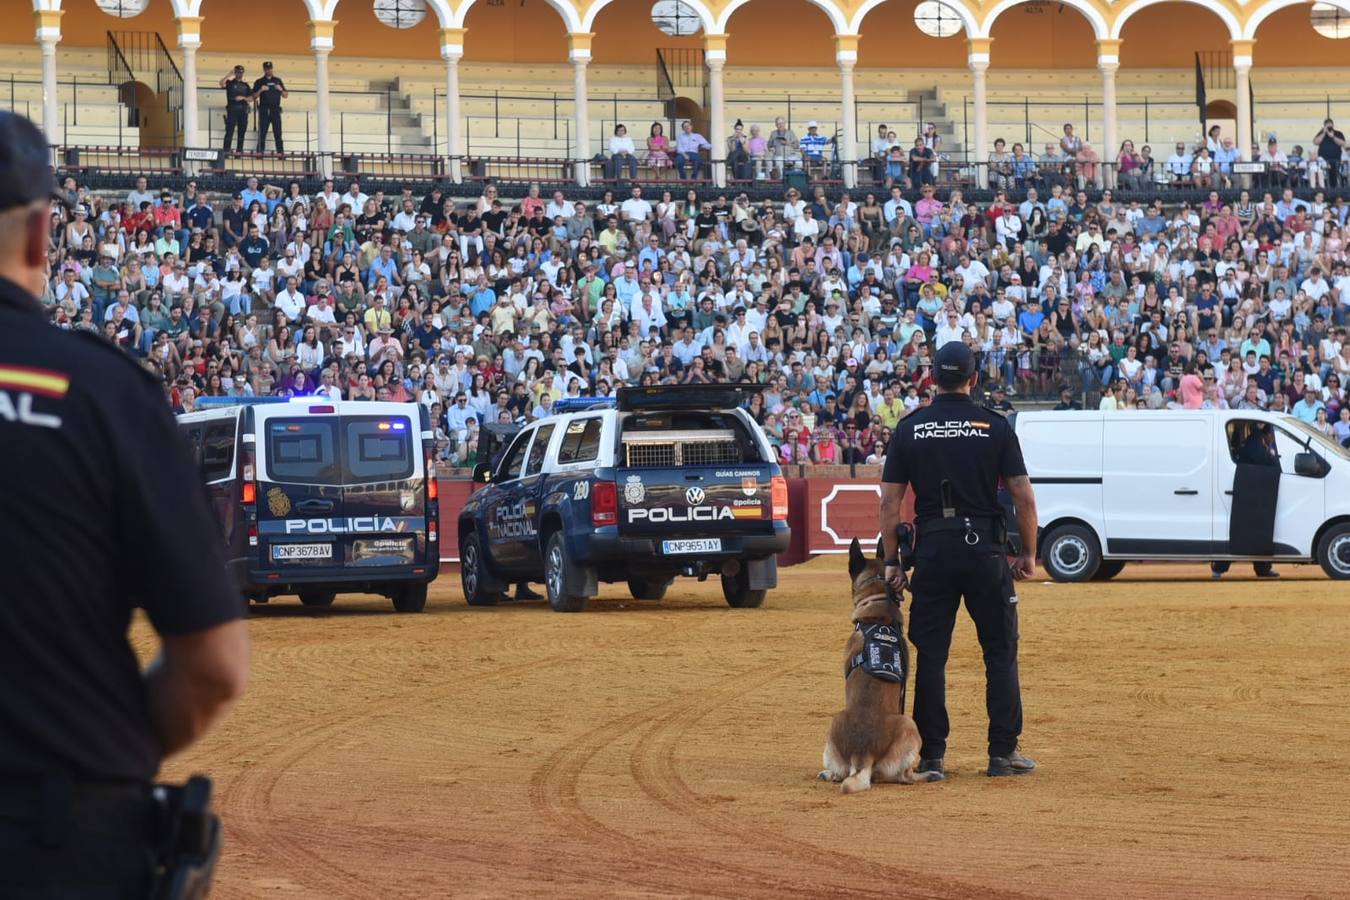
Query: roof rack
{"points": [[581, 404]]}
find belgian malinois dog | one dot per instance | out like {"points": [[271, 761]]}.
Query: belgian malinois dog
{"points": [[872, 737]]}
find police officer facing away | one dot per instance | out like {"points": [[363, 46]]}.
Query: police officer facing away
{"points": [[954, 452], [269, 91], [105, 513], [237, 95]]}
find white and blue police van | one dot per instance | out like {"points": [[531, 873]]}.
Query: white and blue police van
{"points": [[317, 497]]}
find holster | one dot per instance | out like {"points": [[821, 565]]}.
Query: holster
{"points": [[904, 534], [187, 840]]}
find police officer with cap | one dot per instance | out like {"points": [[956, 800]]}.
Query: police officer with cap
{"points": [[269, 91], [237, 95], [106, 513], [953, 453]]}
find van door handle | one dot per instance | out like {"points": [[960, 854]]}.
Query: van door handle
{"points": [[1185, 492]]}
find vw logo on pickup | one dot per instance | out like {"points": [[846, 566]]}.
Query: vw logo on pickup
{"points": [[694, 496]]}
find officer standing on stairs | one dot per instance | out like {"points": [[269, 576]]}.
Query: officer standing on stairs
{"points": [[237, 94], [269, 91], [953, 453]]}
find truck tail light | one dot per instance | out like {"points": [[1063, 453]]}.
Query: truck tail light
{"points": [[604, 503], [433, 487], [779, 494], [248, 485]]}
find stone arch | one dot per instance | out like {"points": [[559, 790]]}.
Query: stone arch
{"points": [[1225, 15], [836, 16], [571, 18], [705, 15], [959, 7], [1089, 10]]}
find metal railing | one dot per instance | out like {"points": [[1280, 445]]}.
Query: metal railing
{"points": [[141, 56], [122, 77]]}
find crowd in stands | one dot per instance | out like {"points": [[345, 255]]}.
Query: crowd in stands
{"points": [[753, 156], [488, 310]]}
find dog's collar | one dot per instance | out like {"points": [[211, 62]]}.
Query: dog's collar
{"points": [[886, 592]]}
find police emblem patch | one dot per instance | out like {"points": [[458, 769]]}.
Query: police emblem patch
{"points": [[278, 503], [750, 486], [633, 491]]}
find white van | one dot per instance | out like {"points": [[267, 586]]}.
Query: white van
{"points": [[1175, 485]]}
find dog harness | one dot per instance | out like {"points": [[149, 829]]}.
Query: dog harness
{"points": [[881, 656]]}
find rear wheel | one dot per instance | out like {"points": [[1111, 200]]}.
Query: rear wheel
{"points": [[318, 598], [1333, 551], [643, 589], [471, 573], [1109, 569], [736, 588], [1071, 553], [560, 576], [411, 598]]}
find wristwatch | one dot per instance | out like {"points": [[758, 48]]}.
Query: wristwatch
{"points": [[892, 562]]}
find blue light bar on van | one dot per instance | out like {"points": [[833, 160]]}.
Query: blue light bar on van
{"points": [[581, 404], [239, 401]]}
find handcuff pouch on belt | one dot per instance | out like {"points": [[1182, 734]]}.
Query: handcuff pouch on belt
{"points": [[881, 655], [188, 840], [998, 527]]}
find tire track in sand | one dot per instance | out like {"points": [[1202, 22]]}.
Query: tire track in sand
{"points": [[654, 767], [555, 795]]}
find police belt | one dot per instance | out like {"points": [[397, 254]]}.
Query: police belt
{"points": [[975, 528]]}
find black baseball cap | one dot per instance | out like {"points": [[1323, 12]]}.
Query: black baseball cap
{"points": [[955, 364], [25, 164]]}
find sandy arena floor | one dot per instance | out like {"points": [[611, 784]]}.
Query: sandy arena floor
{"points": [[1192, 737]]}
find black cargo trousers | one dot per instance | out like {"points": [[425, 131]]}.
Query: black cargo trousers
{"points": [[946, 569]]}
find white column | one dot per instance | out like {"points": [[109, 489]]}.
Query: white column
{"points": [[979, 153], [324, 116], [451, 55], [1242, 66], [51, 109], [191, 134], [848, 140], [717, 115], [581, 142], [1110, 139]]}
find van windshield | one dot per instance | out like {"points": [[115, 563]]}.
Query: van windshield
{"points": [[329, 450], [1306, 431]]}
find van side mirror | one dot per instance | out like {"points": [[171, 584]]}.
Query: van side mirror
{"points": [[1310, 465], [482, 473]]}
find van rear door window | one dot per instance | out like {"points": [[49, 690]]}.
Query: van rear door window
{"points": [[377, 449], [303, 451]]}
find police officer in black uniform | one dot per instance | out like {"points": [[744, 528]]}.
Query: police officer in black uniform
{"points": [[105, 512], [953, 453], [237, 96], [269, 91]]}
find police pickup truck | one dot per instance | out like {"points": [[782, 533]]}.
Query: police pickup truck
{"points": [[639, 488]]}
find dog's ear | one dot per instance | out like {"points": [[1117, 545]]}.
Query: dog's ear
{"points": [[881, 549], [856, 561]]}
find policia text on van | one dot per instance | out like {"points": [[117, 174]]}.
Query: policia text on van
{"points": [[318, 497]]}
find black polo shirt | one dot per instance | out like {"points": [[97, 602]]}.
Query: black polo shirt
{"points": [[106, 512], [955, 440], [269, 98], [237, 92]]}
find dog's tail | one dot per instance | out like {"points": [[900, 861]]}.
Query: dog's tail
{"points": [[859, 777]]}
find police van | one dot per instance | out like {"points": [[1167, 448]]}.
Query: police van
{"points": [[318, 497], [656, 483]]}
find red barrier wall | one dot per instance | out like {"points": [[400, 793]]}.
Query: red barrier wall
{"points": [[826, 514]]}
